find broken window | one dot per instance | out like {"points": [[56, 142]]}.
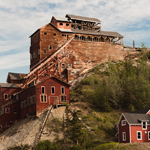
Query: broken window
{"points": [[76, 37], [63, 34], [54, 34], [63, 66], [44, 51], [12, 96], [63, 98], [45, 33], [67, 24], [70, 65], [95, 39], [50, 47], [5, 96], [61, 23], [7, 110], [15, 110], [82, 38], [89, 38]]}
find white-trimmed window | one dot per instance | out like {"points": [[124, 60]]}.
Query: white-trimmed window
{"points": [[42, 89], [123, 122], [124, 136], [62, 90], [7, 110], [43, 98], [148, 135], [52, 90], [139, 135], [63, 98], [144, 125], [5, 96]]}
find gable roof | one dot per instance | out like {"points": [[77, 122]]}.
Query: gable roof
{"points": [[11, 85], [136, 119], [75, 17], [60, 18], [142, 111], [59, 79], [15, 76]]}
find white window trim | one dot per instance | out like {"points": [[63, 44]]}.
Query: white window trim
{"points": [[54, 90], [41, 89], [43, 96], [124, 137], [148, 135], [6, 111], [61, 89], [137, 135], [123, 122], [7, 97], [146, 125]]}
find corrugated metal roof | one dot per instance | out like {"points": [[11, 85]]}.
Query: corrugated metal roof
{"points": [[134, 118], [12, 85], [65, 30], [61, 18], [104, 33], [75, 17], [16, 76]]}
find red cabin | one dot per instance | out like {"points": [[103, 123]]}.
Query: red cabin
{"points": [[134, 127]]}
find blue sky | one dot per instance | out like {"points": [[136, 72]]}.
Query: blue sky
{"points": [[20, 18]]}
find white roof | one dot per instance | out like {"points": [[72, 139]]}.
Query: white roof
{"points": [[61, 18], [65, 30]]}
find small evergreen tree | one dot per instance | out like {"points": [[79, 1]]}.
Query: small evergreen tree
{"points": [[72, 126]]}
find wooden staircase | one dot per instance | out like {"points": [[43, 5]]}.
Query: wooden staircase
{"points": [[38, 136]]}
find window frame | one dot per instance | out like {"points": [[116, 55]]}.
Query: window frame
{"points": [[123, 122], [148, 135], [6, 95], [62, 87], [145, 125], [123, 136], [140, 135], [7, 112], [42, 87], [11, 96], [62, 101], [44, 96], [54, 90]]}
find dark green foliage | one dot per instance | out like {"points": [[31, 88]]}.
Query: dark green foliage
{"points": [[73, 127], [25, 147], [123, 84], [47, 145]]}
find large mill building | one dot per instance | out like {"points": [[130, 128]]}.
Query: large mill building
{"points": [[60, 51]]}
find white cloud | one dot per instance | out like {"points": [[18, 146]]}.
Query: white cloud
{"points": [[14, 60]]}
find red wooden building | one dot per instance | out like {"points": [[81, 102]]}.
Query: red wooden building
{"points": [[134, 127], [33, 100]]}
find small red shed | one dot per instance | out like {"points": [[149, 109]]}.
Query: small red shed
{"points": [[134, 127]]}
